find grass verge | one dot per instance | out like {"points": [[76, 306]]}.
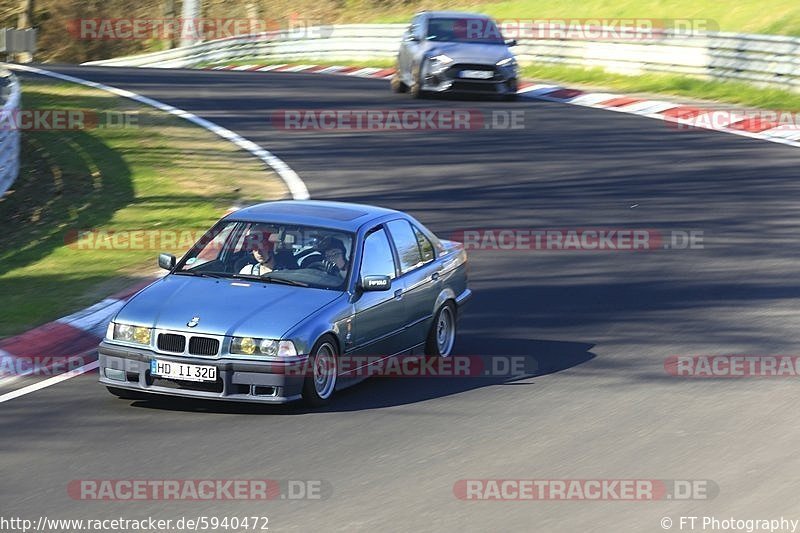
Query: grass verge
{"points": [[131, 168], [780, 17]]}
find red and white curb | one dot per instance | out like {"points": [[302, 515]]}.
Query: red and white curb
{"points": [[59, 344], [685, 117], [742, 122], [359, 72]]}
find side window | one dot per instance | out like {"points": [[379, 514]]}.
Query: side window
{"points": [[425, 245], [406, 243], [377, 259]]}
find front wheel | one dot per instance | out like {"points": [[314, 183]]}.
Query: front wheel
{"points": [[416, 85], [319, 386], [442, 335], [397, 83]]}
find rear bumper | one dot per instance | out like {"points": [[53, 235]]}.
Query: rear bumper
{"points": [[463, 298], [237, 380]]}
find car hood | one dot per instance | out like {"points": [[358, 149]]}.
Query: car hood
{"points": [[485, 54], [224, 306]]}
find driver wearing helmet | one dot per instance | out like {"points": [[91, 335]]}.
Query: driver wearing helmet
{"points": [[263, 251], [335, 256]]}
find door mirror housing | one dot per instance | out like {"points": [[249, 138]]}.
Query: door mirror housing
{"points": [[511, 42], [166, 261], [375, 283]]}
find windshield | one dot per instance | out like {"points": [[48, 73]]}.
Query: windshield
{"points": [[464, 30], [304, 256]]}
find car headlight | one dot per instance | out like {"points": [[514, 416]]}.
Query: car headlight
{"points": [[439, 62], [442, 59], [508, 62], [128, 333], [268, 347]]}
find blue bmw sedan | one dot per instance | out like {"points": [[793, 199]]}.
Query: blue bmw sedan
{"points": [[264, 307]]}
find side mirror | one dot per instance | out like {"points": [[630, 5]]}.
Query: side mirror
{"points": [[511, 42], [411, 38], [376, 283], [166, 261]]}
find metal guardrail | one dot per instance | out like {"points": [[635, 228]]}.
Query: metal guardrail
{"points": [[761, 59], [352, 41], [9, 133], [14, 40]]}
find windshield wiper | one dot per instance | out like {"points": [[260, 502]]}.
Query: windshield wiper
{"points": [[284, 281], [216, 275]]}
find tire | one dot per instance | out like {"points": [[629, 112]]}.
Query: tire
{"points": [[125, 394], [511, 97], [416, 85], [442, 335], [397, 83], [318, 389]]}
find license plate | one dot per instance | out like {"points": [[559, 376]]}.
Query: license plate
{"points": [[182, 371], [477, 74]]}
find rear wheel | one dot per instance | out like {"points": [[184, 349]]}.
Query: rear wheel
{"points": [[319, 386], [442, 335]]}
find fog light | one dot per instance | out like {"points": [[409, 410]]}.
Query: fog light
{"points": [[116, 375]]}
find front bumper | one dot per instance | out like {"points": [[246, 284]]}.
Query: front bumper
{"points": [[502, 82], [237, 380]]}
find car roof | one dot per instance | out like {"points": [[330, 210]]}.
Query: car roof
{"points": [[461, 14], [342, 216]]}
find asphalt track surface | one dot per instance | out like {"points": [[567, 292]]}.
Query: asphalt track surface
{"points": [[597, 325]]}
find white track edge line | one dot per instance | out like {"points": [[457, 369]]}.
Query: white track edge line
{"points": [[49, 381], [296, 186]]}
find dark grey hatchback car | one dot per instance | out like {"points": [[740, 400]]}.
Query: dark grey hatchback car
{"points": [[269, 301], [449, 51]]}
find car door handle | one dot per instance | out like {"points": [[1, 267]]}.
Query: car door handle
{"points": [[435, 276], [398, 294]]}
